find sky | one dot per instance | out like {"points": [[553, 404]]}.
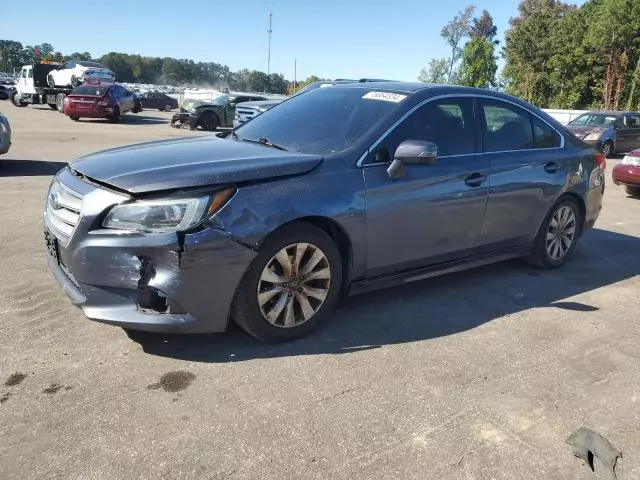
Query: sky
{"points": [[329, 38]]}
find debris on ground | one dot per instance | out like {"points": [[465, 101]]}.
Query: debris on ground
{"points": [[586, 444]]}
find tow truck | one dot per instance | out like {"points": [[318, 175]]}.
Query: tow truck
{"points": [[32, 88]]}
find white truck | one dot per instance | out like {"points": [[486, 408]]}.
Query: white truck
{"points": [[32, 87]]}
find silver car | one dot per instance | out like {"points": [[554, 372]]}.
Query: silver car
{"points": [[5, 134]]}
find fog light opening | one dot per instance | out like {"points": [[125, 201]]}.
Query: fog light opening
{"points": [[152, 300]]}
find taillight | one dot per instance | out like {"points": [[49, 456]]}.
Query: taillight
{"points": [[601, 160]]}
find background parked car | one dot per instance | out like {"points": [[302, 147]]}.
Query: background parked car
{"points": [[610, 132], [5, 134], [7, 87], [248, 110], [210, 115], [74, 73], [627, 173], [157, 100], [100, 100]]}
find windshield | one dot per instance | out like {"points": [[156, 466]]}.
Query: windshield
{"points": [[89, 90], [322, 121], [90, 64], [594, 119]]}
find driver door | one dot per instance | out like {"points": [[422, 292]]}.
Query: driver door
{"points": [[435, 212], [628, 133]]}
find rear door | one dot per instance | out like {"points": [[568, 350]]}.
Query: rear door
{"points": [[434, 213], [628, 134], [527, 172]]}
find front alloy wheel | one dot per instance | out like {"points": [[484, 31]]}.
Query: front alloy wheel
{"points": [[290, 285], [294, 285]]}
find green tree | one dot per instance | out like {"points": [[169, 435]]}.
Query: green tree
{"points": [[478, 67], [86, 56], [453, 33], [11, 55], [483, 27], [435, 72]]}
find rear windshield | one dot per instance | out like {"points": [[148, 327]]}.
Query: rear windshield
{"points": [[90, 64], [324, 120], [89, 90]]}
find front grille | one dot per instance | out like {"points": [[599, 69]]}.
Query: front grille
{"points": [[62, 211], [245, 114]]}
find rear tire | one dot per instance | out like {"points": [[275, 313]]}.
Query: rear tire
{"points": [[298, 304], [50, 81], [60, 102], [558, 235], [74, 81], [632, 191], [52, 106], [74, 118], [167, 108], [115, 117]]}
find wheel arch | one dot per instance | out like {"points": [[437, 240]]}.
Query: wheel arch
{"points": [[336, 232]]}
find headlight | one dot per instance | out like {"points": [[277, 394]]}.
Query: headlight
{"points": [[167, 215], [592, 137], [631, 160], [263, 109]]}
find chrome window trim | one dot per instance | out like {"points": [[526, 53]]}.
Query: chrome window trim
{"points": [[393, 126]]}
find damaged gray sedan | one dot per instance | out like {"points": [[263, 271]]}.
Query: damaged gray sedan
{"points": [[340, 189]]}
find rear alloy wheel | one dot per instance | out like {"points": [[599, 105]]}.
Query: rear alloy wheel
{"points": [[558, 235], [632, 191], [293, 281], [607, 148]]}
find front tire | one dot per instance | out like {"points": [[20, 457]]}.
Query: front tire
{"points": [[290, 286], [632, 191], [209, 122], [17, 101], [558, 235], [167, 108], [52, 106], [74, 118], [607, 149]]}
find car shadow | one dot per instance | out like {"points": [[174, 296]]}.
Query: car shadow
{"points": [[29, 168], [130, 119], [428, 309]]}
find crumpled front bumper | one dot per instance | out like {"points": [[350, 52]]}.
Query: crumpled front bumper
{"points": [[160, 282], [184, 120]]}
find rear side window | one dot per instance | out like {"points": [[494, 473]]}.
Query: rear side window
{"points": [[505, 127], [543, 135]]}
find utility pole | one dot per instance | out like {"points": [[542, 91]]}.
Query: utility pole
{"points": [[269, 32]]}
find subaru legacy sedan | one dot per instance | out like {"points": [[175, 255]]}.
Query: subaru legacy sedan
{"points": [[338, 190]]}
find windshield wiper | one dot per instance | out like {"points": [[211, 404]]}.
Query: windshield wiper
{"points": [[262, 141]]}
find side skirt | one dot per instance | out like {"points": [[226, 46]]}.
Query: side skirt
{"points": [[422, 273]]}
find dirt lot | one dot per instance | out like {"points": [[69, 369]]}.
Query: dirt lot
{"points": [[477, 375]]}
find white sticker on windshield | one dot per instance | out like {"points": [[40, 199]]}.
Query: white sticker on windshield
{"points": [[385, 96]]}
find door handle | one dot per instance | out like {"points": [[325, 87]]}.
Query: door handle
{"points": [[551, 167], [475, 179]]}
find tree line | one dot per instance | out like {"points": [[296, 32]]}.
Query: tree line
{"points": [[141, 69], [556, 55]]}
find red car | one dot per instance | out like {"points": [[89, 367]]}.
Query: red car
{"points": [[627, 173], [100, 100]]}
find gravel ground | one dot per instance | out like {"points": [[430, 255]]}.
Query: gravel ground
{"points": [[476, 375]]}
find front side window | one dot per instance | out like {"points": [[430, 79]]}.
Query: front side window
{"points": [[505, 127], [449, 123], [594, 119]]}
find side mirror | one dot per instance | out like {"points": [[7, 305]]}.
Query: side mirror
{"points": [[412, 152]]}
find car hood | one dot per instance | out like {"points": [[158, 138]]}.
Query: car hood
{"points": [[259, 104], [190, 162], [581, 131]]}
